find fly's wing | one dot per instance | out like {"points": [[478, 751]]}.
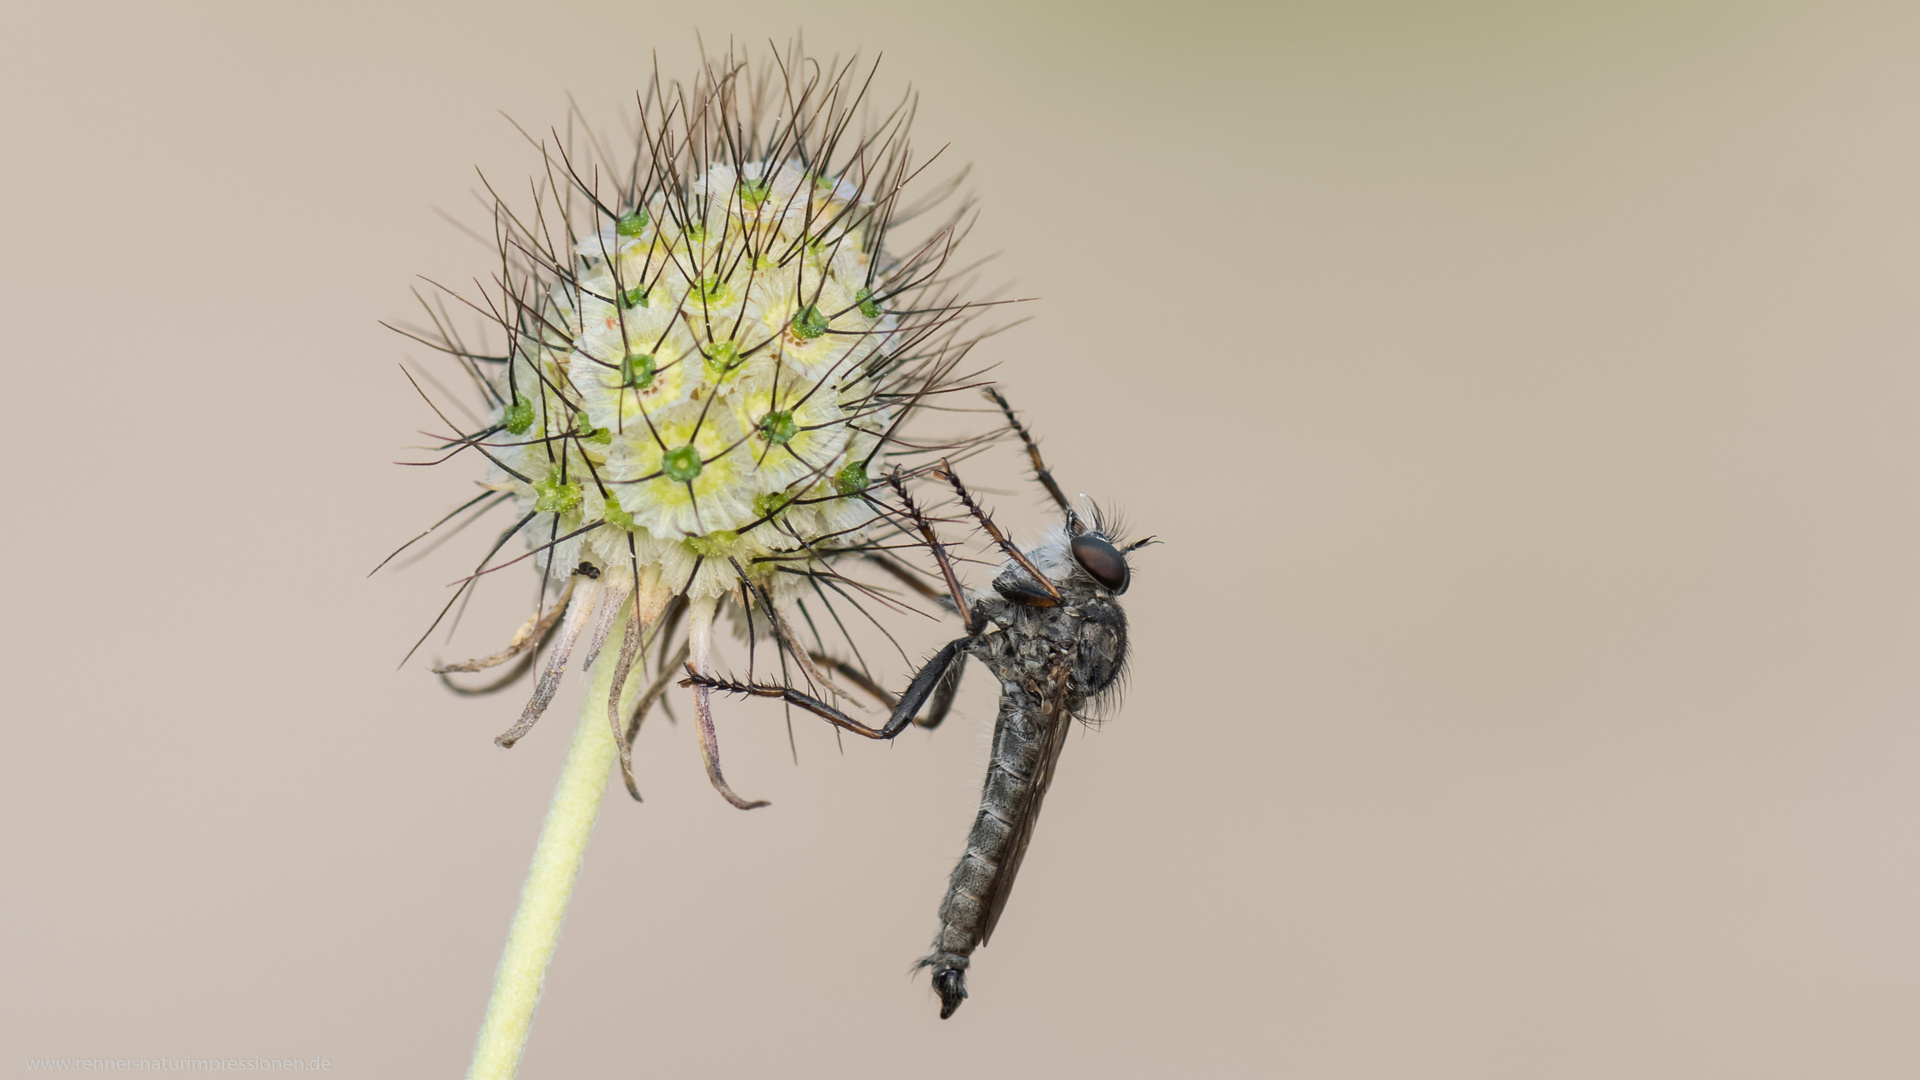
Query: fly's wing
{"points": [[1055, 719]]}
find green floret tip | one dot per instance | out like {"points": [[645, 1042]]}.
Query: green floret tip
{"points": [[518, 416], [809, 324], [636, 370], [852, 479], [584, 428], [631, 224], [710, 290], [715, 543], [754, 192], [696, 232], [680, 464], [634, 298], [616, 514], [778, 427], [768, 503], [551, 495], [868, 306], [722, 358]]}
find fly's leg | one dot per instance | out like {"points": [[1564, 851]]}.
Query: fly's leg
{"points": [[1040, 472], [943, 695], [1045, 595], [939, 550], [857, 677], [904, 573], [923, 686], [938, 705]]}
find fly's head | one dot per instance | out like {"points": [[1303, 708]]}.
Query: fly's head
{"points": [[1097, 550], [1085, 560]]}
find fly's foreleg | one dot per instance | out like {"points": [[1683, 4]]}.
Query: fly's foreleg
{"points": [[1040, 472], [1045, 593]]}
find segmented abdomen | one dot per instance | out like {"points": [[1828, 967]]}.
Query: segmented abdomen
{"points": [[1025, 744]]}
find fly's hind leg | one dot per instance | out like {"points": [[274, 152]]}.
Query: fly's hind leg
{"points": [[942, 702], [923, 687], [938, 705], [926, 684], [857, 677]]}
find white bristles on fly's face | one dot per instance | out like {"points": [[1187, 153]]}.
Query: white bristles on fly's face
{"points": [[1051, 556]]}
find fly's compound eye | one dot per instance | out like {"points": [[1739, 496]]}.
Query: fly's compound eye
{"points": [[1102, 560]]}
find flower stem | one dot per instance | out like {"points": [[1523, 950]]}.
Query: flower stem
{"points": [[556, 863]]}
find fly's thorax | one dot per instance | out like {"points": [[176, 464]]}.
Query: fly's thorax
{"points": [[1088, 630]]}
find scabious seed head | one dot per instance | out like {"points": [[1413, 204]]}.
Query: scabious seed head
{"points": [[699, 386], [742, 379]]}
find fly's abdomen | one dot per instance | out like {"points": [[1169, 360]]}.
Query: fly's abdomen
{"points": [[966, 915]]}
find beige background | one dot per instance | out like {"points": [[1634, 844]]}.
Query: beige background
{"points": [[1526, 687]]}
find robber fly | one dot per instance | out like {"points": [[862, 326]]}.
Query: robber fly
{"points": [[1052, 632]]}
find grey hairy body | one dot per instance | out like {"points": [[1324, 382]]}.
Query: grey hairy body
{"points": [[1051, 662], [1052, 633]]}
